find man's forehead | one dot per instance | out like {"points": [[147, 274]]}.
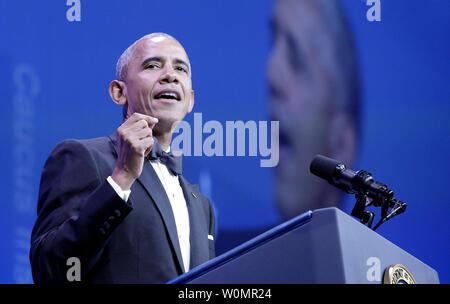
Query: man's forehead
{"points": [[160, 46]]}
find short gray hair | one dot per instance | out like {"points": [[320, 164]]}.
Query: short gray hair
{"points": [[127, 55]]}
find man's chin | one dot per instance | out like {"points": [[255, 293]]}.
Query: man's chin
{"points": [[165, 125]]}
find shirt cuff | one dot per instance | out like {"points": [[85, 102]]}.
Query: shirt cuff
{"points": [[123, 194]]}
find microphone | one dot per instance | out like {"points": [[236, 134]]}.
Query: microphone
{"points": [[361, 183], [337, 174]]}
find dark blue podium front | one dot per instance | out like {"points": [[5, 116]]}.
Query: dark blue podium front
{"points": [[321, 246]]}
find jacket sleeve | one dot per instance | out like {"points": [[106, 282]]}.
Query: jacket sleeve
{"points": [[77, 212]]}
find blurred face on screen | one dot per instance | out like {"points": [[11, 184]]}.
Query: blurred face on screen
{"points": [[302, 91], [159, 81]]}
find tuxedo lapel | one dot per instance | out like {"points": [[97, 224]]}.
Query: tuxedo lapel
{"points": [[153, 186], [198, 232]]}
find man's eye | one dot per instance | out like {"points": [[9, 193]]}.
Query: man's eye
{"points": [[181, 69], [152, 66]]}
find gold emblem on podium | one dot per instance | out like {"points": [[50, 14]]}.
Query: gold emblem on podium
{"points": [[398, 274]]}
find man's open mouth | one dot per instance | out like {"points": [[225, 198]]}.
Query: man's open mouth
{"points": [[166, 94]]}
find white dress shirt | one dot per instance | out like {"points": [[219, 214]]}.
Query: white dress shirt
{"points": [[175, 194]]}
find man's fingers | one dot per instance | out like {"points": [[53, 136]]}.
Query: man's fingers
{"points": [[136, 133], [151, 121], [148, 143], [139, 125], [143, 133], [143, 146], [135, 141], [136, 129]]}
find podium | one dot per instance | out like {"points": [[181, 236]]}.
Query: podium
{"points": [[322, 246]]}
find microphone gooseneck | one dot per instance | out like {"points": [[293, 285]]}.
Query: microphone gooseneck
{"points": [[361, 183]]}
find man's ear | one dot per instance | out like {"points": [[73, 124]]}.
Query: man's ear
{"points": [[118, 92], [191, 104], [342, 138]]}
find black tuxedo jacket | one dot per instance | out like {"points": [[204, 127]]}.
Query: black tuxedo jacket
{"points": [[80, 215]]}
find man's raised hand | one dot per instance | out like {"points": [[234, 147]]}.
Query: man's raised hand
{"points": [[134, 141]]}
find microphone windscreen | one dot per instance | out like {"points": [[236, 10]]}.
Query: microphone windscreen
{"points": [[323, 167]]}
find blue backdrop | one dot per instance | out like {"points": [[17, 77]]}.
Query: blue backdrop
{"points": [[55, 74]]}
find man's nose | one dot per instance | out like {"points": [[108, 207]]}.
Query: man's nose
{"points": [[279, 73], [169, 75]]}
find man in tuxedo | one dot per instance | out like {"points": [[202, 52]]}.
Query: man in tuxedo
{"points": [[119, 204]]}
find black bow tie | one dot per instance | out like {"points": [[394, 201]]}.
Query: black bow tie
{"points": [[172, 162]]}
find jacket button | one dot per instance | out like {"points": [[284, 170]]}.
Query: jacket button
{"points": [[117, 212], [102, 231], [106, 225]]}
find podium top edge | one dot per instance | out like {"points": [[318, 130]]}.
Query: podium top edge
{"points": [[243, 248]]}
